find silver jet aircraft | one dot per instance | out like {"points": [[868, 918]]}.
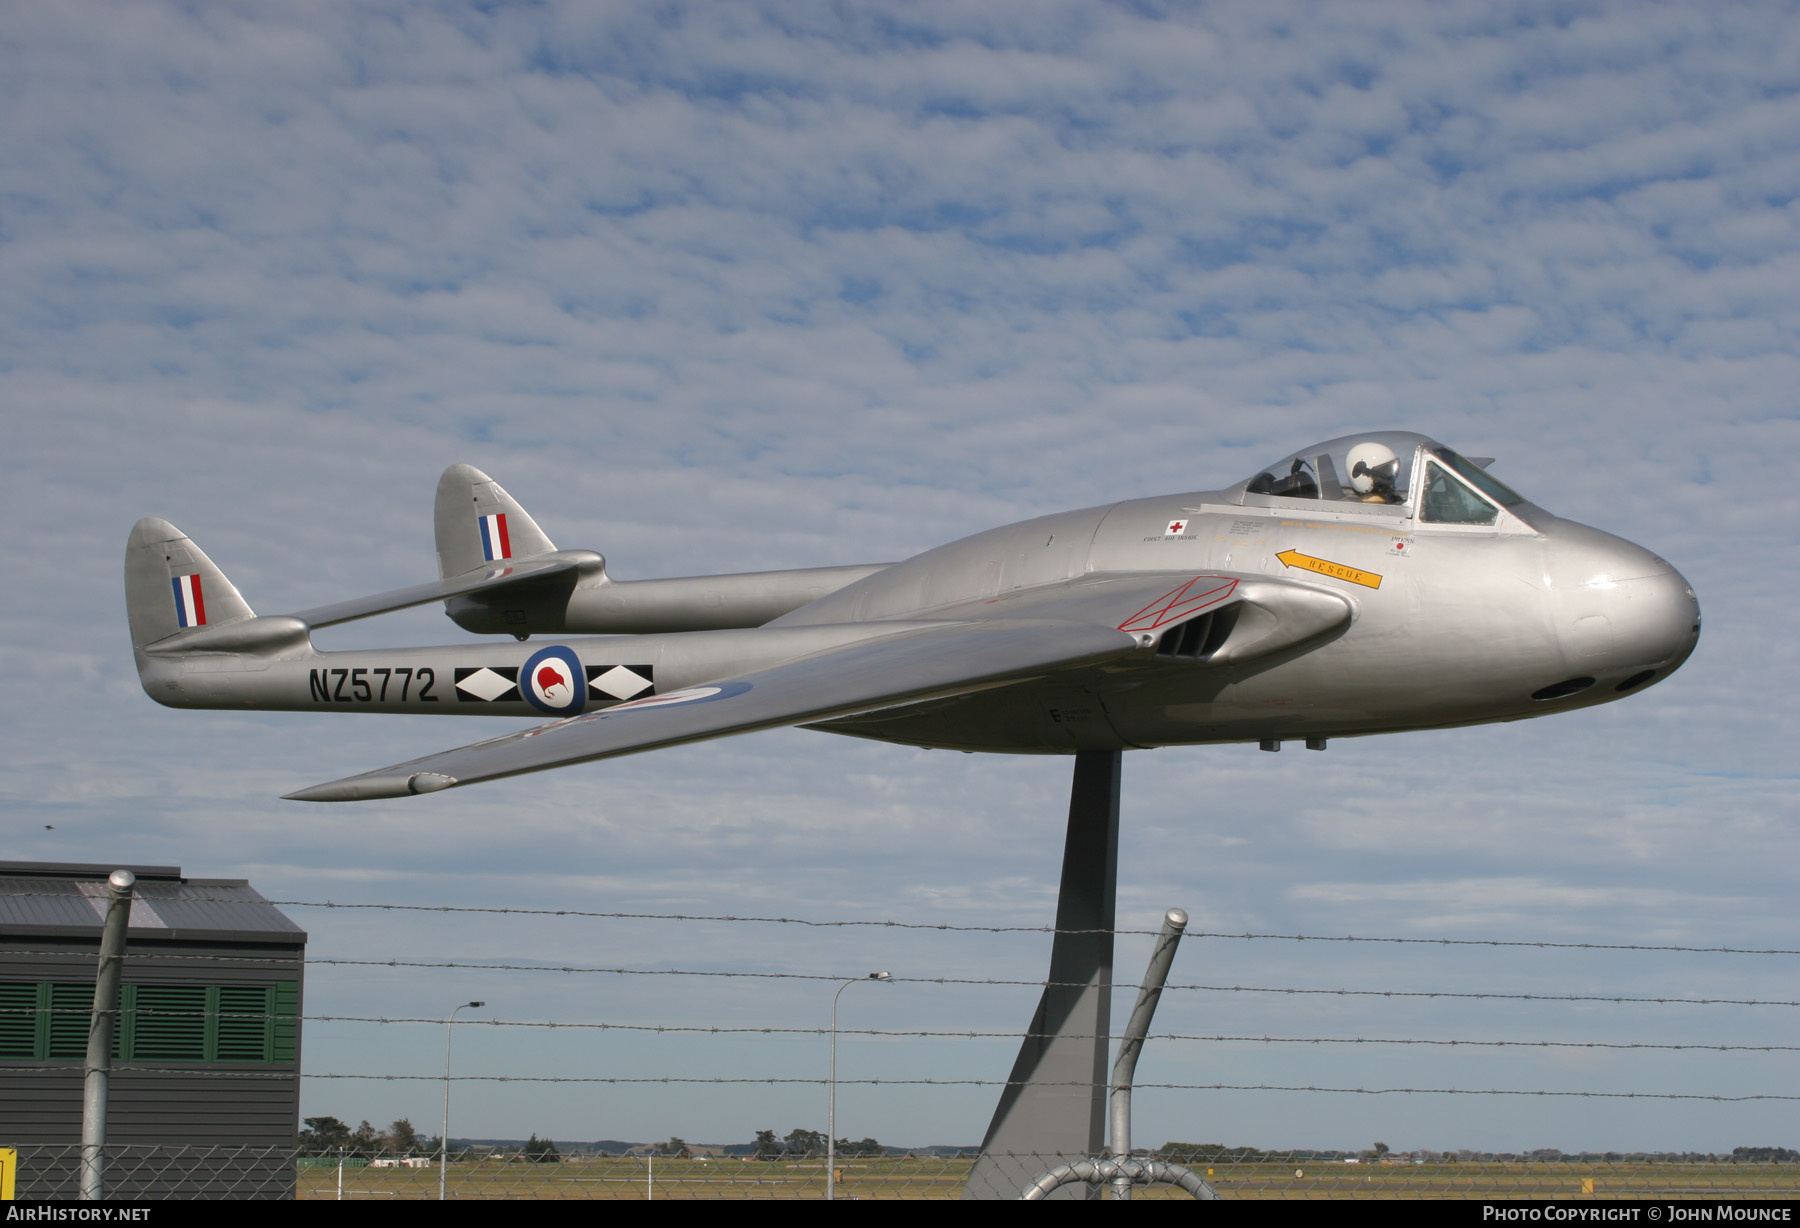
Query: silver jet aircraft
{"points": [[1370, 584]]}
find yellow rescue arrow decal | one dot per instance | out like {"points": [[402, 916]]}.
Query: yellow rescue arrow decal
{"points": [[1325, 567]]}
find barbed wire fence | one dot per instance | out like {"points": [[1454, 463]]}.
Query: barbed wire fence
{"points": [[576, 1172]]}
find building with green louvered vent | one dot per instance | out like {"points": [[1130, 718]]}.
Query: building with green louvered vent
{"points": [[206, 1054]]}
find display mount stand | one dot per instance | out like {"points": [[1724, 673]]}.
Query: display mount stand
{"points": [[1053, 1110]]}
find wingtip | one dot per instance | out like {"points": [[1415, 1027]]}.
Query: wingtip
{"points": [[352, 790], [372, 787]]}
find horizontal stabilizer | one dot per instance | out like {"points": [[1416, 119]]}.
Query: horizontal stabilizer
{"points": [[496, 576], [948, 659]]}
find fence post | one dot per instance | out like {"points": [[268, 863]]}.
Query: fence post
{"points": [[1125, 1067], [1119, 1170], [100, 1033]]}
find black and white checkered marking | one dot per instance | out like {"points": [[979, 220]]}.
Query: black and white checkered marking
{"points": [[487, 684], [607, 683]]}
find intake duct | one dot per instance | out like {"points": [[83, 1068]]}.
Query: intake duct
{"points": [[1198, 638]]}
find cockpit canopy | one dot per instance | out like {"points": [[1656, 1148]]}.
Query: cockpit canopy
{"points": [[1388, 472]]}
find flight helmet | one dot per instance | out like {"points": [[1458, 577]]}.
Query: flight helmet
{"points": [[1373, 467]]}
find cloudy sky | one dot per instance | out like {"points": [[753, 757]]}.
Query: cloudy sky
{"points": [[723, 287]]}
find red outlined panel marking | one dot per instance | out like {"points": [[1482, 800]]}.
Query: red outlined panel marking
{"points": [[1196, 595]]}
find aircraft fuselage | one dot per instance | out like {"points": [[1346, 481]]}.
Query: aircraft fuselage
{"points": [[1451, 626]]}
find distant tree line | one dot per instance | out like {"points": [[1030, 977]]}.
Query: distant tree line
{"points": [[1211, 1153], [541, 1151], [809, 1143], [1215, 1153], [329, 1136]]}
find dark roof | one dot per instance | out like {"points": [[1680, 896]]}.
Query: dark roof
{"points": [[57, 899]]}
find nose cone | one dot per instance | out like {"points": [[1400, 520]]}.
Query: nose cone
{"points": [[1624, 616]]}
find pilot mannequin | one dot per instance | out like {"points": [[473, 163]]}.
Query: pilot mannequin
{"points": [[1373, 468]]}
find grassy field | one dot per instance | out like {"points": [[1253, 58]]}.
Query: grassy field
{"points": [[943, 1178]]}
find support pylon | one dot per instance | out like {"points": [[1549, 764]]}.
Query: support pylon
{"points": [[1053, 1110]]}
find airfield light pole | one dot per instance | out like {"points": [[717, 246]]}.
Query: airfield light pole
{"points": [[831, 1098], [444, 1140]]}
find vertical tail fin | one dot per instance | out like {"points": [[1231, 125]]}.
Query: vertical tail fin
{"points": [[479, 524], [171, 585]]}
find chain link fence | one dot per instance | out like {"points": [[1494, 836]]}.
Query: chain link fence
{"points": [[53, 1173], [516, 1175], [188, 1172]]}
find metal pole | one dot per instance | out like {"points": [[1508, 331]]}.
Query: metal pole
{"points": [[1108, 1172], [1125, 1066], [831, 1097], [100, 1033], [444, 1139]]}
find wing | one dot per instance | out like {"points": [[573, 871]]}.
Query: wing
{"points": [[946, 659]]}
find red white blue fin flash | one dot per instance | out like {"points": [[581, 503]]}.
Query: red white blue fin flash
{"points": [[495, 544], [190, 606]]}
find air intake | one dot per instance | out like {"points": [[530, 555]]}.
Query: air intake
{"points": [[1197, 639], [1563, 689]]}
